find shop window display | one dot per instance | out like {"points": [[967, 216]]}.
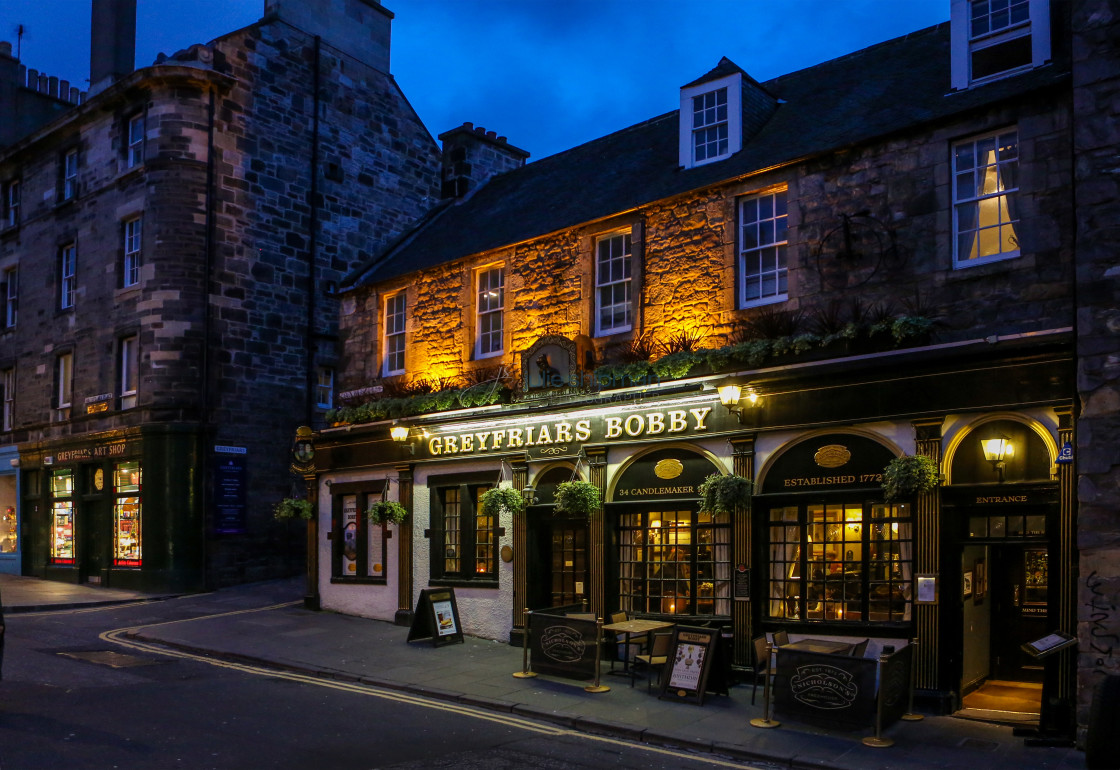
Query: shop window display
{"points": [[62, 517], [126, 515], [9, 530]]}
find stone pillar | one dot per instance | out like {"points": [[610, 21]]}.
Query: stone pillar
{"points": [[742, 459], [927, 556], [1067, 561], [597, 460], [404, 548], [520, 549]]}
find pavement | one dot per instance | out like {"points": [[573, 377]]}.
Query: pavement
{"points": [[266, 625]]}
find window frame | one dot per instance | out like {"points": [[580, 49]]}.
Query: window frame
{"points": [[11, 296], [626, 257], [364, 494], [465, 536], [778, 224], [12, 195], [1005, 198], [484, 339], [732, 85], [133, 242], [8, 383], [965, 44], [134, 144], [67, 276], [394, 339], [324, 383], [64, 386], [70, 174], [128, 371]]}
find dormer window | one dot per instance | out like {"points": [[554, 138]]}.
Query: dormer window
{"points": [[996, 38], [711, 120]]}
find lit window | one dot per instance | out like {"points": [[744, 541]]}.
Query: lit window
{"points": [[362, 551], [466, 538], [709, 125], [324, 388], [11, 297], [135, 140], [762, 249], [11, 203], [65, 374], [132, 245], [129, 370], [491, 307], [70, 175], [612, 284], [62, 517], [67, 272], [985, 183], [127, 485], [395, 307], [9, 383]]}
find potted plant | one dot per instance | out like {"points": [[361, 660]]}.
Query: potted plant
{"points": [[908, 475], [579, 498], [387, 512], [499, 499], [292, 508], [723, 494]]}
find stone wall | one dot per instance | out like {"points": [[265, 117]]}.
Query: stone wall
{"points": [[1096, 89]]}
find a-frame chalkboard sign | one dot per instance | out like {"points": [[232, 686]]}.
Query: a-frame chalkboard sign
{"points": [[692, 654], [437, 617]]}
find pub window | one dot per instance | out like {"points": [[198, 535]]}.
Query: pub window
{"points": [[675, 562], [840, 562], [464, 539], [490, 310], [127, 483], [360, 553], [395, 316], [62, 517]]}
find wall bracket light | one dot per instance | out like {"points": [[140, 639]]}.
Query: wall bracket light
{"points": [[736, 398], [997, 450]]}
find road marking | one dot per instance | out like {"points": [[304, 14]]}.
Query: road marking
{"points": [[120, 636]]}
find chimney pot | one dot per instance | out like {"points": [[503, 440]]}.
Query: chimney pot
{"points": [[468, 125], [5, 48], [502, 139], [479, 130], [492, 134]]}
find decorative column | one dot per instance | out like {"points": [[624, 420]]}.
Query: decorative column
{"points": [[927, 550], [597, 460], [520, 547], [742, 459], [1068, 572], [404, 548]]}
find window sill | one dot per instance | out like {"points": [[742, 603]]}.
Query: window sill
{"points": [[611, 332], [992, 260], [367, 581], [763, 302], [461, 583]]}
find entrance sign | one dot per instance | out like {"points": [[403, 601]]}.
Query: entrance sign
{"points": [[436, 617], [692, 653]]}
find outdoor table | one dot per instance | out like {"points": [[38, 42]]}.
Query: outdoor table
{"points": [[829, 646], [631, 628]]}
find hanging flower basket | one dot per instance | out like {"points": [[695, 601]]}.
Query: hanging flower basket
{"points": [[292, 508], [499, 499], [387, 512], [908, 475], [723, 494], [577, 498]]}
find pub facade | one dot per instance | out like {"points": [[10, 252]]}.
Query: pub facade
{"points": [[794, 282]]}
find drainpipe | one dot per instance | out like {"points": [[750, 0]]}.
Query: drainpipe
{"points": [[313, 241], [206, 417]]}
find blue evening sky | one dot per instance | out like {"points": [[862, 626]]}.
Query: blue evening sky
{"points": [[548, 74]]}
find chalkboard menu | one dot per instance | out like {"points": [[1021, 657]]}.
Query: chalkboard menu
{"points": [[436, 617], [692, 654]]}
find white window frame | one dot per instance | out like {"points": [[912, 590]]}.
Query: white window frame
{"points": [[619, 263], [984, 203], [133, 249], [964, 44], [135, 152], [394, 339], [11, 298], [733, 85], [763, 235], [69, 174], [324, 388], [65, 394], [490, 305], [128, 363], [9, 383], [68, 283], [11, 203]]}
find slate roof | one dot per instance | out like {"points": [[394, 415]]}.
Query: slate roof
{"points": [[874, 92]]}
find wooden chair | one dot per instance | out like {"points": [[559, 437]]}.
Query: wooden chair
{"points": [[859, 648], [655, 659], [761, 663], [621, 648], [781, 638]]}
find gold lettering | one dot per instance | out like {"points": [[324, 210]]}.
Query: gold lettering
{"points": [[466, 441], [656, 423], [481, 441], [700, 415], [450, 445], [614, 427], [641, 425], [514, 438], [676, 421], [529, 433], [435, 445], [563, 432], [499, 436], [545, 437], [583, 430]]}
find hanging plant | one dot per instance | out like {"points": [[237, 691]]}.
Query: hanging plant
{"points": [[292, 508], [387, 512], [578, 498], [723, 494], [908, 475], [499, 499]]}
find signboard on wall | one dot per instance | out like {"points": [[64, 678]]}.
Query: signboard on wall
{"points": [[830, 462], [229, 489], [665, 474]]}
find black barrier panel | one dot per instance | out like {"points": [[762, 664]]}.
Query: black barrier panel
{"points": [[830, 690], [562, 646], [896, 685]]}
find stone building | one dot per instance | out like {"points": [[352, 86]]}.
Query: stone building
{"points": [[801, 282], [170, 247]]}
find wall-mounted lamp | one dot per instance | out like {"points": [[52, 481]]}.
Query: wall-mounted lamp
{"points": [[732, 395], [530, 495], [996, 451], [400, 434]]}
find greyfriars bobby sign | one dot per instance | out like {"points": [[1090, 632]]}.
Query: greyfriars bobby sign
{"points": [[549, 365]]}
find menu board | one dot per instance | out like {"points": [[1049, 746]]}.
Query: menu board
{"points": [[436, 617], [692, 653]]}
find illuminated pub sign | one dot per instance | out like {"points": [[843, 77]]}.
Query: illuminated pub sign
{"points": [[832, 462]]}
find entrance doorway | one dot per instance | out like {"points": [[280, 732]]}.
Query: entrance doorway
{"points": [[558, 564], [95, 556]]}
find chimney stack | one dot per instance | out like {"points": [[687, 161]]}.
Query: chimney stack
{"points": [[472, 155], [112, 52]]}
